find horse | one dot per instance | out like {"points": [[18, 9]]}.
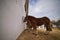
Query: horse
{"points": [[33, 22]]}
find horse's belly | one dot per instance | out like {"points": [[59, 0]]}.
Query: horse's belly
{"points": [[39, 24]]}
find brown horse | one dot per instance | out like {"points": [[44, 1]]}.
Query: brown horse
{"points": [[33, 22]]}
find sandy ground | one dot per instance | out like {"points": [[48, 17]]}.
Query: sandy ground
{"points": [[54, 35]]}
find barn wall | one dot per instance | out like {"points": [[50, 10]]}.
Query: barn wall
{"points": [[12, 24]]}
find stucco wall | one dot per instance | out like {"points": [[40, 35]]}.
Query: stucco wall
{"points": [[12, 24]]}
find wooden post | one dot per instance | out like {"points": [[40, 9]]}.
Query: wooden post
{"points": [[26, 6]]}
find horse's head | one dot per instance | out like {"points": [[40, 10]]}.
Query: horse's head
{"points": [[25, 19]]}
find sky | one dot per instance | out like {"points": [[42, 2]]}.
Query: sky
{"points": [[41, 8]]}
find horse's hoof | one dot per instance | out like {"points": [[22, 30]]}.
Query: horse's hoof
{"points": [[34, 33], [47, 32]]}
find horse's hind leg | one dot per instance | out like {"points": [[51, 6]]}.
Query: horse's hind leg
{"points": [[48, 28]]}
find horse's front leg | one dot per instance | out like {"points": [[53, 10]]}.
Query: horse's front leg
{"points": [[35, 31]]}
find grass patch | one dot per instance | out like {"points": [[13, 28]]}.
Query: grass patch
{"points": [[54, 35]]}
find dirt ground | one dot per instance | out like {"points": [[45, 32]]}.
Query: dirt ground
{"points": [[54, 35]]}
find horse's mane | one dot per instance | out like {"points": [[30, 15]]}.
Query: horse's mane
{"points": [[31, 16]]}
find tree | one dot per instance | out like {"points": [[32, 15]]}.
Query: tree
{"points": [[56, 23]]}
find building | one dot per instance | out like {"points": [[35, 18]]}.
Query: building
{"points": [[11, 22]]}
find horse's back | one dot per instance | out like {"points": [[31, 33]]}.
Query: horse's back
{"points": [[37, 20]]}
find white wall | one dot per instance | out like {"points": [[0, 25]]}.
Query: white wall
{"points": [[0, 27], [11, 19]]}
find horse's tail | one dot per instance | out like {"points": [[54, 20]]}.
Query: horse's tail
{"points": [[51, 25]]}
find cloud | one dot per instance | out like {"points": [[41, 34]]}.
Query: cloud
{"points": [[36, 8], [49, 8]]}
